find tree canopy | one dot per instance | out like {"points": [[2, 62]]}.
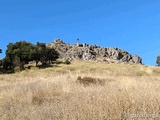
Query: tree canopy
{"points": [[0, 60], [20, 53], [158, 60]]}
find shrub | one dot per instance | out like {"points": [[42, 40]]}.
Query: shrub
{"points": [[79, 78], [89, 80], [156, 71], [67, 62], [140, 73], [57, 62]]}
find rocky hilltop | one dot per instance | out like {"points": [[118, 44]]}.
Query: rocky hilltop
{"points": [[93, 53]]}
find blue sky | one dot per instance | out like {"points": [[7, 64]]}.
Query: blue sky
{"points": [[131, 25]]}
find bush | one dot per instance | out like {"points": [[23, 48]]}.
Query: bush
{"points": [[67, 62], [79, 78], [140, 73], [89, 80], [156, 71], [57, 62]]}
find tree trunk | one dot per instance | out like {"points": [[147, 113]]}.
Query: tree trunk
{"points": [[36, 63]]}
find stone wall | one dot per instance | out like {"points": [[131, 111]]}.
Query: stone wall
{"points": [[93, 53]]}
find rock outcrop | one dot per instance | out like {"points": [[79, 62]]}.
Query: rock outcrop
{"points": [[93, 53]]}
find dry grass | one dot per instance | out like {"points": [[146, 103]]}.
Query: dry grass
{"points": [[54, 94]]}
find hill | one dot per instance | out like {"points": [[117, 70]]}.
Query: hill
{"points": [[112, 91]]}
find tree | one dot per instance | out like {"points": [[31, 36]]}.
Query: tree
{"points": [[52, 54], [45, 54], [0, 60], [7, 64], [158, 60], [35, 54], [18, 54]]}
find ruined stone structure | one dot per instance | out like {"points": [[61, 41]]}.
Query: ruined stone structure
{"points": [[93, 53]]}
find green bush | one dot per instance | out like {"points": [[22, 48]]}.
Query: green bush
{"points": [[79, 78]]}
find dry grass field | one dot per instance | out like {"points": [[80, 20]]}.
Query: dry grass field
{"points": [[55, 93]]}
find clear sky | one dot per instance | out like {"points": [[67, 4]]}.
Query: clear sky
{"points": [[131, 25]]}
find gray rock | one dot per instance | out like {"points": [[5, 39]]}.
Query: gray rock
{"points": [[136, 59], [91, 52]]}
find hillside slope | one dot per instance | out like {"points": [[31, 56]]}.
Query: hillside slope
{"points": [[57, 93]]}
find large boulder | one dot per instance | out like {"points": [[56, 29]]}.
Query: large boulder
{"points": [[136, 59]]}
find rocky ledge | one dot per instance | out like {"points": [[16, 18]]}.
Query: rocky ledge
{"points": [[93, 53]]}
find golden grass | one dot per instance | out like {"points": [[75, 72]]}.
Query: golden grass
{"points": [[54, 94]]}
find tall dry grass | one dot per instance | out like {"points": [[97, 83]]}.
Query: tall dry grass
{"points": [[55, 94]]}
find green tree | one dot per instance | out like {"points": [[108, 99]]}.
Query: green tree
{"points": [[8, 60], [7, 64], [0, 59], [18, 54], [52, 54], [46, 54], [158, 60], [35, 54]]}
